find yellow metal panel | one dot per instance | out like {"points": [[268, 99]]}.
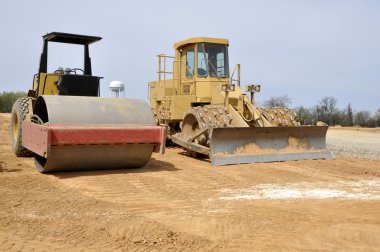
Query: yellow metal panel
{"points": [[218, 96], [203, 89], [158, 90], [210, 89], [237, 120], [180, 103], [200, 40], [48, 84], [153, 93]]}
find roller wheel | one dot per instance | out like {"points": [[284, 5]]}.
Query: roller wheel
{"points": [[20, 110], [190, 126], [198, 119], [280, 117]]}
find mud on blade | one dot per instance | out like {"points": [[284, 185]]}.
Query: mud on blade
{"points": [[268, 144]]}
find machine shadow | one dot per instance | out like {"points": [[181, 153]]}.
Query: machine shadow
{"points": [[153, 165], [198, 156]]}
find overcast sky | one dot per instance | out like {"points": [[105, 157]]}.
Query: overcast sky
{"points": [[304, 49]]}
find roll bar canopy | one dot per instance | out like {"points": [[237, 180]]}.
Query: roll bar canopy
{"points": [[68, 38]]}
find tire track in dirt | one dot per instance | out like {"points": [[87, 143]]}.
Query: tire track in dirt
{"points": [[81, 226], [38, 212], [184, 199], [172, 204]]}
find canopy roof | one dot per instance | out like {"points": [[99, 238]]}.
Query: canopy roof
{"points": [[70, 38], [200, 40]]}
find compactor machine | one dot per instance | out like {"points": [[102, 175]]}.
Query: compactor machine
{"points": [[65, 125], [206, 111]]}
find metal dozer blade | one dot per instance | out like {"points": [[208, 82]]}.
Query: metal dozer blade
{"points": [[88, 133], [267, 144]]}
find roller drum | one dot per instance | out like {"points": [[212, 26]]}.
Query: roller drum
{"points": [[76, 110], [68, 111], [94, 157]]}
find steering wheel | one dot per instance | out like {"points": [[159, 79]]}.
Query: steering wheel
{"points": [[74, 70], [67, 70], [202, 72]]}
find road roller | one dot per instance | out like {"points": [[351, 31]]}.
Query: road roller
{"points": [[65, 124]]}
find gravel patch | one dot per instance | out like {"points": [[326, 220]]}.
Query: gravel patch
{"points": [[356, 144], [343, 190]]}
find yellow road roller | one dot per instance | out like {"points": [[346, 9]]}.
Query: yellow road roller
{"points": [[66, 126]]}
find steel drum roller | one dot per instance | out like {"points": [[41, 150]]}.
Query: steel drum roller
{"points": [[92, 110], [88, 133]]}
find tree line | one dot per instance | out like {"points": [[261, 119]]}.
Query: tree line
{"points": [[7, 99], [326, 110]]}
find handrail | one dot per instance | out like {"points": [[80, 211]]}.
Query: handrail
{"points": [[160, 72], [237, 67], [160, 67]]}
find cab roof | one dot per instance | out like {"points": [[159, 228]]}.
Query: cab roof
{"points": [[195, 40], [70, 38]]}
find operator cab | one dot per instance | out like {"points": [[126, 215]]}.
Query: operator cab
{"points": [[203, 58], [66, 81]]}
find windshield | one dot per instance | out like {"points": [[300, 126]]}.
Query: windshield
{"points": [[212, 60]]}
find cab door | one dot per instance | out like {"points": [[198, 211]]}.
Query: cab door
{"points": [[188, 70]]}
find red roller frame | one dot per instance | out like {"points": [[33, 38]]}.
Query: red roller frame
{"points": [[38, 138]]}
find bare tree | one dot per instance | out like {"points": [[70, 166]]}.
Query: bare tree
{"points": [[325, 109], [278, 101], [377, 117], [304, 115], [350, 115], [362, 118]]}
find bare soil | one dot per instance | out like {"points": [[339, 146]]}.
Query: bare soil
{"points": [[178, 203]]}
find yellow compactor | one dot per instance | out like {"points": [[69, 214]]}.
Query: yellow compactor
{"points": [[65, 125], [206, 111]]}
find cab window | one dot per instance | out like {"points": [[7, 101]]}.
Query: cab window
{"points": [[212, 60], [190, 61]]}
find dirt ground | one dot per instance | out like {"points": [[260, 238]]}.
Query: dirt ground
{"points": [[178, 203]]}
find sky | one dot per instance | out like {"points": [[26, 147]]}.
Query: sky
{"points": [[304, 49]]}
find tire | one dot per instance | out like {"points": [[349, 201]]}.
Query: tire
{"points": [[20, 110]]}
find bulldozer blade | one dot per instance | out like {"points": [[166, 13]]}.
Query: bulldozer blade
{"points": [[268, 144]]}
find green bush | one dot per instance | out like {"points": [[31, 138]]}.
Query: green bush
{"points": [[7, 99]]}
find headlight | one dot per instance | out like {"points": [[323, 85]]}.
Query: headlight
{"points": [[252, 88]]}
